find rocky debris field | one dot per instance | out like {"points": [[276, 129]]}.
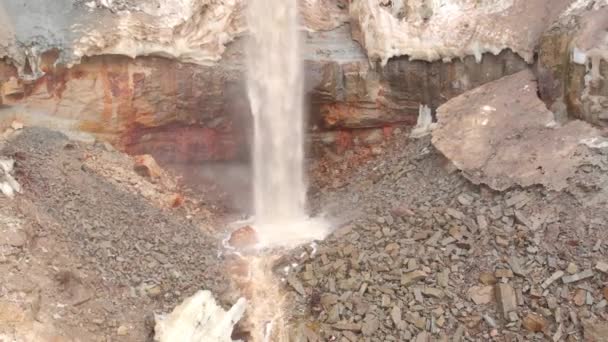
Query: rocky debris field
{"points": [[96, 243], [426, 255]]}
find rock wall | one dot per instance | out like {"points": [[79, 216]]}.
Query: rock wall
{"points": [[167, 77], [573, 63], [443, 30]]}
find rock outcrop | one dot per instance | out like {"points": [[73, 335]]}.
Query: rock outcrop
{"points": [[573, 63], [167, 77], [444, 30]]}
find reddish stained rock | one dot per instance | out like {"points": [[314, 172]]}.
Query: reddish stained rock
{"points": [[176, 200], [146, 166], [185, 144], [243, 238], [181, 112], [534, 322]]}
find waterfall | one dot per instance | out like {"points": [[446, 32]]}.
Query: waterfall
{"points": [[276, 91]]}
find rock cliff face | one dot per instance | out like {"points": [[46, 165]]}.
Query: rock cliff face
{"points": [[443, 30], [573, 63], [167, 77]]}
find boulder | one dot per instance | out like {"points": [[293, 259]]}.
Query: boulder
{"points": [[502, 135]]}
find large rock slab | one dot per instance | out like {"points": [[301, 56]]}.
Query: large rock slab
{"points": [[501, 134]]}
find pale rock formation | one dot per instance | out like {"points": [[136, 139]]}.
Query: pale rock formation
{"points": [[193, 31], [199, 319], [8, 185], [434, 30]]}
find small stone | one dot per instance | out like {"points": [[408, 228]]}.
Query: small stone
{"points": [[14, 238], [482, 222], [370, 325], [396, 316], [16, 125], [415, 319], [487, 278], [448, 240], [122, 330], [577, 277], [423, 337], [532, 249], [490, 321], [481, 294], [579, 297], [443, 278], [521, 218], [506, 299], [465, 199], [418, 295], [595, 331], [432, 292], [455, 214], [555, 276], [297, 285], [329, 299], [516, 199], [154, 291], [536, 292], [503, 273], [347, 326], [412, 277], [243, 238], [559, 333], [458, 334], [589, 298], [534, 323], [572, 268], [516, 267], [146, 166], [502, 241], [602, 267], [513, 316]]}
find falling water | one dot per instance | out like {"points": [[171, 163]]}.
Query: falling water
{"points": [[275, 85]]}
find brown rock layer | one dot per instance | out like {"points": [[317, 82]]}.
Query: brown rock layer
{"points": [[573, 65], [181, 112]]}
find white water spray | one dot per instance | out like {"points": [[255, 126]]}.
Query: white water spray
{"points": [[275, 85]]}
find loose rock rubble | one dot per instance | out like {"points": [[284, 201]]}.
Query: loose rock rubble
{"points": [[424, 255], [90, 250]]}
